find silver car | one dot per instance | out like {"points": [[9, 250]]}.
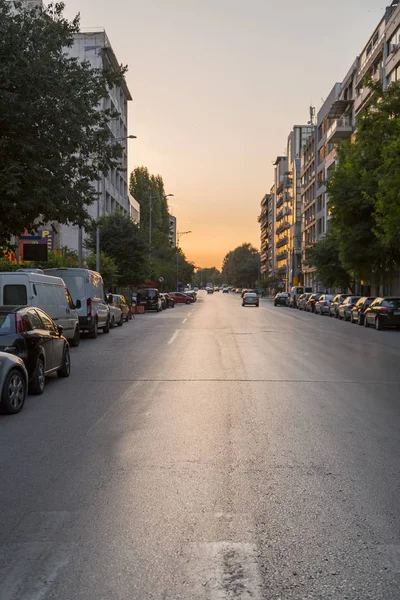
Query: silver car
{"points": [[13, 383], [322, 305]]}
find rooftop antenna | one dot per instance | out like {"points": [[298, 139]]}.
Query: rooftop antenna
{"points": [[312, 116]]}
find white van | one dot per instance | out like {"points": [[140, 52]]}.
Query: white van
{"points": [[296, 291], [87, 291], [28, 288]]}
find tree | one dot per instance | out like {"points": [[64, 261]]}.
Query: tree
{"points": [[54, 138], [108, 269], [122, 240], [208, 275], [241, 266], [364, 194], [324, 255]]}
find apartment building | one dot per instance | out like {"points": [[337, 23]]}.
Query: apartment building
{"points": [[308, 170], [282, 185], [94, 47], [267, 246]]}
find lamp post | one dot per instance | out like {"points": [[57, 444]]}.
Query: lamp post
{"points": [[179, 234], [103, 194], [151, 198]]}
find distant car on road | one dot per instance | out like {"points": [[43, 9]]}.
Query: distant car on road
{"points": [[310, 304], [210, 290], [225, 291], [149, 298], [169, 302], [322, 305], [383, 312], [280, 299], [302, 300], [181, 298], [32, 335], [116, 317], [250, 299], [357, 313], [334, 305], [13, 383], [295, 292], [345, 308], [121, 302], [191, 294]]}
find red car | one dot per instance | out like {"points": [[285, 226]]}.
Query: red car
{"points": [[181, 298]]}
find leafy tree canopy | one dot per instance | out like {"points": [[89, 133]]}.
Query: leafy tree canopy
{"points": [[241, 266], [325, 257], [54, 139]]}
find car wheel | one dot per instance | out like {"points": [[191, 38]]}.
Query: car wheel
{"points": [[112, 323], [274, 303], [76, 339], [14, 393], [359, 319], [366, 324], [93, 332], [188, 302], [378, 324], [65, 369], [38, 380], [121, 322], [336, 315], [106, 329]]}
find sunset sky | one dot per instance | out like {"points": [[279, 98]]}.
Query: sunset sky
{"points": [[217, 86]]}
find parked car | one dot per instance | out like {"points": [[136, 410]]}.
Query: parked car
{"points": [[116, 317], [87, 291], [322, 305], [295, 292], [334, 305], [345, 308], [191, 294], [310, 304], [13, 382], [250, 299], [149, 298], [121, 302], [225, 291], [280, 299], [33, 336], [210, 290], [383, 312], [357, 313], [302, 300], [34, 288], [181, 298]]}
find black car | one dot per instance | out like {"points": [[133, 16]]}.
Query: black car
{"points": [[33, 336], [358, 311], [280, 299], [334, 305], [170, 302], [149, 298], [383, 312]]}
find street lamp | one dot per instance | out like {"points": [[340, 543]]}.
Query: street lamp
{"points": [[179, 234], [103, 193], [151, 215]]}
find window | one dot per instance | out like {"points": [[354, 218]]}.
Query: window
{"points": [[69, 299], [15, 295], [47, 322], [32, 320]]}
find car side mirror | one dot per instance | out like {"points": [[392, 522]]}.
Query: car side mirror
{"points": [[78, 304], [60, 329]]}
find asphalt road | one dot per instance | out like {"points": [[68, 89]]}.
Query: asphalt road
{"points": [[209, 452]]}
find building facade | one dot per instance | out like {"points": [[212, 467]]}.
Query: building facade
{"points": [[308, 163], [281, 223]]}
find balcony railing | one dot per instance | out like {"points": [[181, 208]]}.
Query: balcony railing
{"points": [[285, 225], [341, 129], [282, 242], [282, 255], [279, 202], [283, 213]]}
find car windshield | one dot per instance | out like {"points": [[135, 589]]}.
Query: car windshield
{"points": [[250, 295]]}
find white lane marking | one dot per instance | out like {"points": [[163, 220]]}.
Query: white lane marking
{"points": [[184, 321], [173, 338]]}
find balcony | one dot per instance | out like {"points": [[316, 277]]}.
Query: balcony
{"points": [[285, 225], [371, 58], [282, 242], [341, 129], [283, 213], [282, 256], [279, 202]]}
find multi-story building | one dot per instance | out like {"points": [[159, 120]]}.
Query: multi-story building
{"points": [[113, 194], [296, 140], [280, 221], [134, 210], [266, 220], [392, 44], [263, 220], [308, 163]]}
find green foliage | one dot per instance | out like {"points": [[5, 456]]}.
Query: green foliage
{"points": [[209, 275], [7, 266], [142, 186], [54, 138], [123, 241], [241, 266], [364, 191], [108, 269], [324, 255]]}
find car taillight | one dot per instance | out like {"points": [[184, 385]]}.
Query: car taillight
{"points": [[383, 309], [89, 307], [20, 324]]}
